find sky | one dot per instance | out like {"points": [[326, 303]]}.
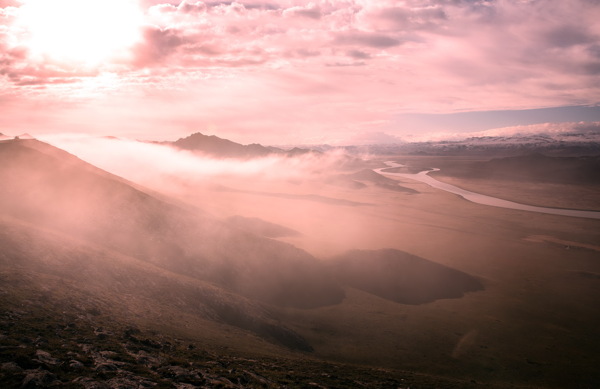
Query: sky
{"points": [[296, 72]]}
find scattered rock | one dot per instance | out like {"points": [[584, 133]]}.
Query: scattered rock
{"points": [[131, 331], [11, 367], [185, 386], [75, 365], [254, 378], [38, 378], [222, 382], [45, 358], [39, 341], [101, 333], [89, 383], [180, 374], [131, 381], [147, 359], [106, 366]]}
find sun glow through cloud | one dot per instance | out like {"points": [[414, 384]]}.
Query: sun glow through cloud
{"points": [[288, 72], [84, 32]]}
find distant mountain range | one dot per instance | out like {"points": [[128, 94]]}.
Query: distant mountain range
{"points": [[572, 143], [563, 144]]}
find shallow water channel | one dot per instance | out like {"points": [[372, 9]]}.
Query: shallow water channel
{"points": [[483, 199]]}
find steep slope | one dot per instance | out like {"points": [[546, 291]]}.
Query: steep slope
{"points": [[77, 316], [70, 273], [53, 189]]}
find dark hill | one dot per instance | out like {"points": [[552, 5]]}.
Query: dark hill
{"points": [[402, 277], [218, 147], [223, 148]]}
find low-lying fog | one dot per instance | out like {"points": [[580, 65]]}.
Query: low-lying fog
{"points": [[394, 272], [154, 164], [292, 191]]}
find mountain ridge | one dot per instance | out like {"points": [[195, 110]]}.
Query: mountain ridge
{"points": [[214, 146]]}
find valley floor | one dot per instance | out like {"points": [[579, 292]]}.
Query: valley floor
{"points": [[534, 324]]}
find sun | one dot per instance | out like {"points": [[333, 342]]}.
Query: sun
{"points": [[86, 32]]}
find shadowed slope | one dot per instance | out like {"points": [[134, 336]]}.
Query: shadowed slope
{"points": [[402, 277], [102, 282], [48, 187]]}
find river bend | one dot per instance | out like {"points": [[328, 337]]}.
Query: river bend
{"points": [[483, 199]]}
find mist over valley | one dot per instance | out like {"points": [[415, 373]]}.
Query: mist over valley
{"points": [[285, 194], [142, 263]]}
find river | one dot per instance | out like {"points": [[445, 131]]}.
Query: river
{"points": [[483, 199]]}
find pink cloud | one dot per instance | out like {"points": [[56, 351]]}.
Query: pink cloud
{"points": [[323, 70], [157, 46], [311, 11]]}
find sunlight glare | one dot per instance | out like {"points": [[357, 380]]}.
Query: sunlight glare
{"points": [[86, 32]]}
